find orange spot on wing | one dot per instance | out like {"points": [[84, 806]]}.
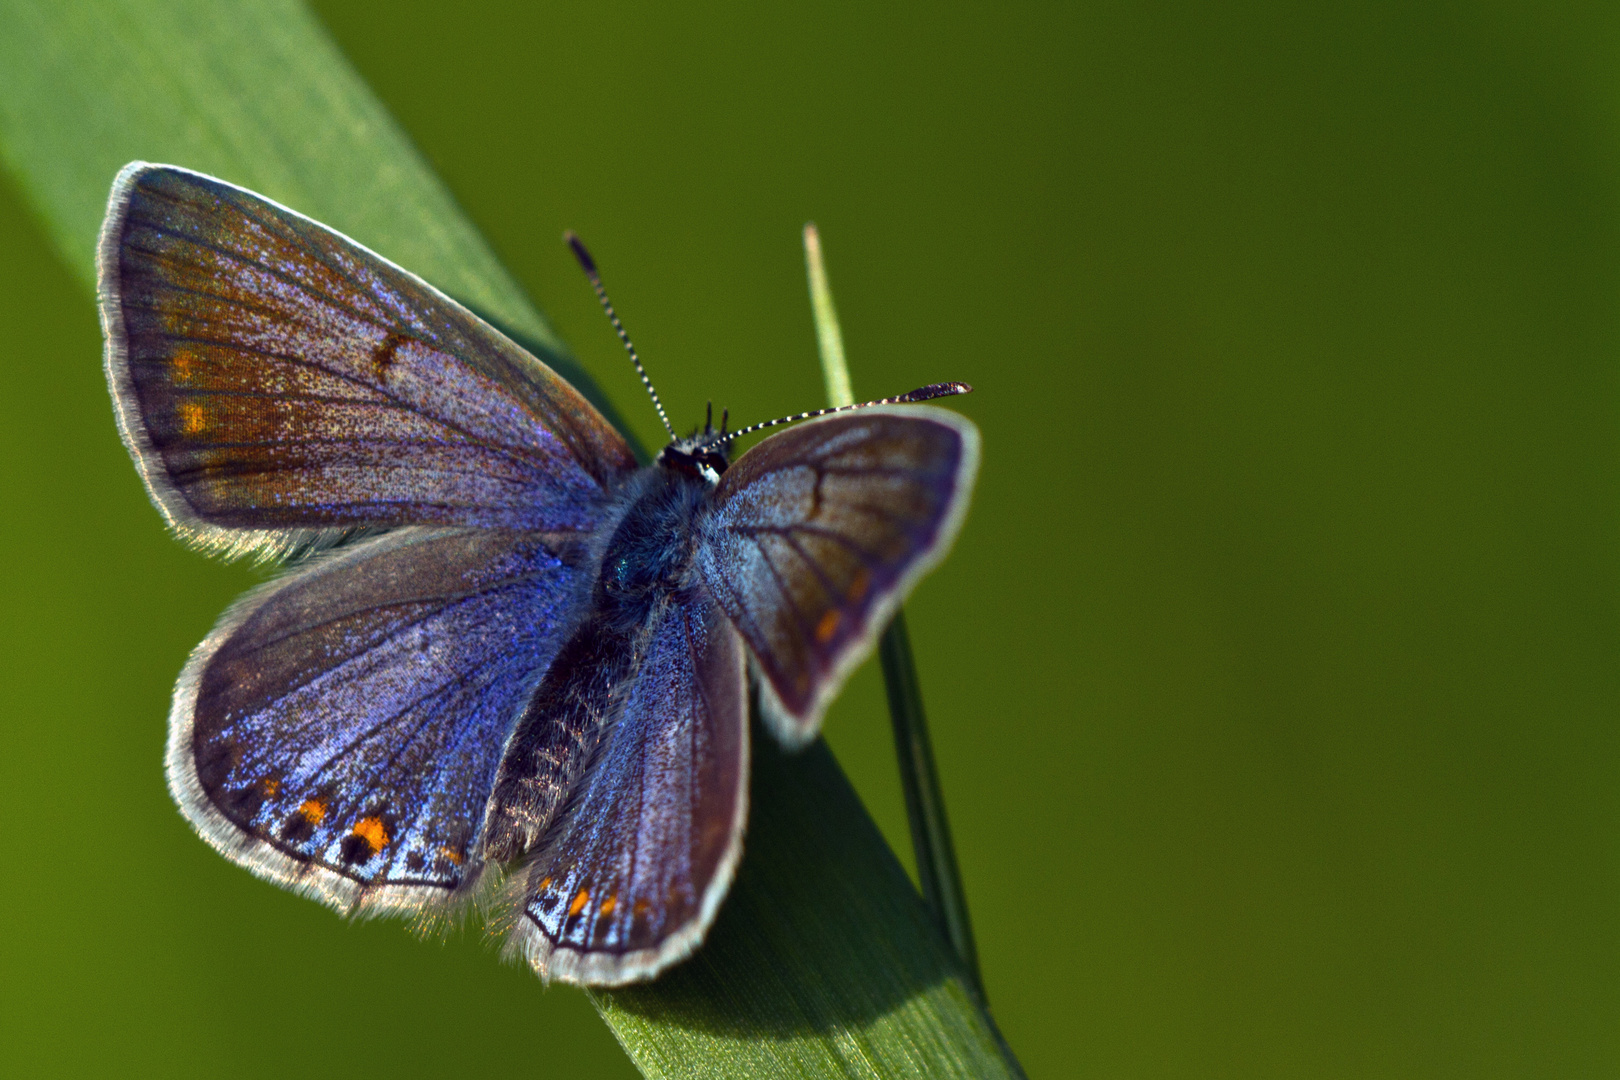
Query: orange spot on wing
{"points": [[180, 364], [372, 832], [640, 907], [609, 904], [858, 587], [579, 903], [313, 810], [828, 626], [452, 854], [193, 418], [544, 885], [271, 787]]}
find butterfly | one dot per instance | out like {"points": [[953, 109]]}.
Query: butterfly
{"points": [[503, 659]]}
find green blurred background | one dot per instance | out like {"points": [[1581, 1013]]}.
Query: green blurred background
{"points": [[1274, 678]]}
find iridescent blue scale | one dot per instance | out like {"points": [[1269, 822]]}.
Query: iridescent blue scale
{"points": [[500, 643]]}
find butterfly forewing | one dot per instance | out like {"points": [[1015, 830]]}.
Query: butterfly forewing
{"points": [[631, 877], [340, 731], [819, 531], [276, 380]]}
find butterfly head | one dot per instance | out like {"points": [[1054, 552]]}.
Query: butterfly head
{"points": [[704, 454], [690, 458]]}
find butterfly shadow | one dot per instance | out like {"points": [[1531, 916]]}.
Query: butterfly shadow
{"points": [[822, 930]]}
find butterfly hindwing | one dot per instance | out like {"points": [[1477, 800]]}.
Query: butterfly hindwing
{"points": [[817, 534], [631, 876], [339, 732], [278, 383]]}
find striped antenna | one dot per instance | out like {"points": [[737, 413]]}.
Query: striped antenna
{"points": [[922, 393], [588, 264]]}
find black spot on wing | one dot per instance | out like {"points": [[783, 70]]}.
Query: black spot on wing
{"points": [[297, 828], [382, 357], [355, 849]]}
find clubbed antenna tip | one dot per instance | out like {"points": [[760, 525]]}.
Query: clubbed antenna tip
{"points": [[584, 257], [934, 390]]}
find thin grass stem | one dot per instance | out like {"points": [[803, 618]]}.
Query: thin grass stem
{"points": [[938, 876]]}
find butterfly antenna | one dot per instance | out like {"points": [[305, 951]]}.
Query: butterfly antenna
{"points": [[922, 393], [588, 264]]}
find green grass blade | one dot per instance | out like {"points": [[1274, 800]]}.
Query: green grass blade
{"points": [[256, 93], [824, 962]]}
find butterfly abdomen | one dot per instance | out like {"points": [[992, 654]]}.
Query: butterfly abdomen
{"points": [[648, 561], [555, 738]]}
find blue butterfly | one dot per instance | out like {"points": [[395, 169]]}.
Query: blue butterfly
{"points": [[504, 658]]}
